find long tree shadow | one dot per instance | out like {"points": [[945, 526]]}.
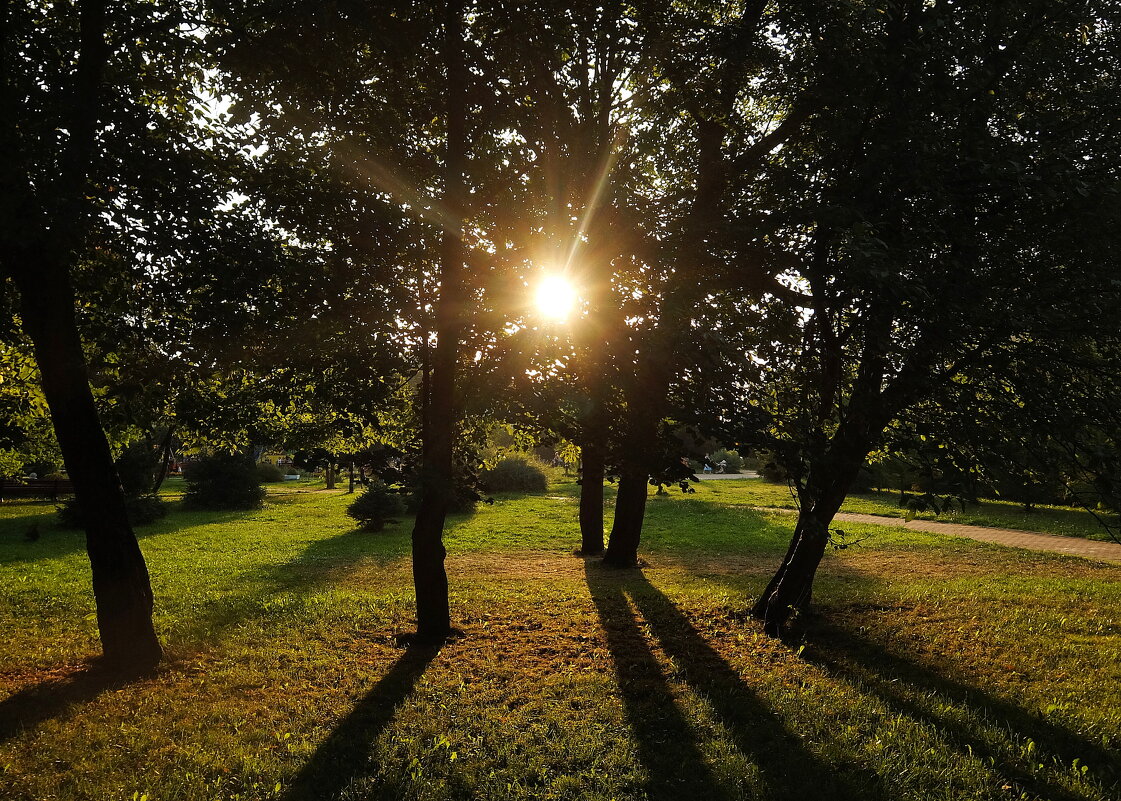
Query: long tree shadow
{"points": [[908, 687], [321, 562], [49, 699], [786, 766], [346, 753], [667, 745]]}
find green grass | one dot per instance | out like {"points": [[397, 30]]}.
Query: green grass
{"points": [[1061, 520], [934, 669]]}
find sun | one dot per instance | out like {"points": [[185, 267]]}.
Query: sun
{"points": [[555, 297]]}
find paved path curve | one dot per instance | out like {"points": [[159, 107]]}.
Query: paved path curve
{"points": [[1074, 546]]}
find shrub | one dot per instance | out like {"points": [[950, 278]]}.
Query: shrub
{"points": [[141, 510], [376, 506], [735, 463], [515, 474], [269, 473], [771, 470], [223, 481], [136, 467]]}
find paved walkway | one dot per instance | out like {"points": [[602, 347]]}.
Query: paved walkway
{"points": [[1074, 546], [719, 476]]}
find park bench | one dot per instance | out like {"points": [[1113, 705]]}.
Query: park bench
{"points": [[35, 488]]}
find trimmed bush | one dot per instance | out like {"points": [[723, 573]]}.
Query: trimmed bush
{"points": [[223, 481], [515, 474], [376, 506], [141, 510], [269, 473]]}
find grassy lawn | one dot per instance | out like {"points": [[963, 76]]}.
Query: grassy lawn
{"points": [[1061, 520], [934, 669]]}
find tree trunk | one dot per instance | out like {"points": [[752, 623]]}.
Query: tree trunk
{"points": [[165, 459], [330, 476], [437, 476], [350, 490], [121, 587], [591, 498], [630, 508], [791, 588]]}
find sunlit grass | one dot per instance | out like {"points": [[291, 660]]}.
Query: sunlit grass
{"points": [[935, 669], [1060, 520]]}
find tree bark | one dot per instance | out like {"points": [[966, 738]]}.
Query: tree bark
{"points": [[592, 461], [122, 590], [791, 588], [165, 459], [630, 508], [44, 228], [329, 476], [437, 476]]}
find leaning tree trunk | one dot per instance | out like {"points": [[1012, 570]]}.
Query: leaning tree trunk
{"points": [[437, 476], [791, 588], [45, 232], [121, 587], [164, 459]]}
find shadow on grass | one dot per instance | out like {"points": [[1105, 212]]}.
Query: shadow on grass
{"points": [[53, 698], [787, 768], [322, 562], [667, 745], [926, 696], [346, 753]]}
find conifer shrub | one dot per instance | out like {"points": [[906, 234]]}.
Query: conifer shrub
{"points": [[376, 506]]}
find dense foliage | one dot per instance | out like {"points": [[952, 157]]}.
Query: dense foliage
{"points": [[376, 506], [514, 474], [223, 481]]}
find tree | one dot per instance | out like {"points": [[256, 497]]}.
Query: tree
{"points": [[711, 125], [54, 70], [944, 219]]}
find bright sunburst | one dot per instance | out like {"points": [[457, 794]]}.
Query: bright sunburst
{"points": [[555, 297]]}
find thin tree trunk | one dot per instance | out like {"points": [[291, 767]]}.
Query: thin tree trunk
{"points": [[122, 590], [436, 479], [165, 459], [330, 476], [591, 498]]}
